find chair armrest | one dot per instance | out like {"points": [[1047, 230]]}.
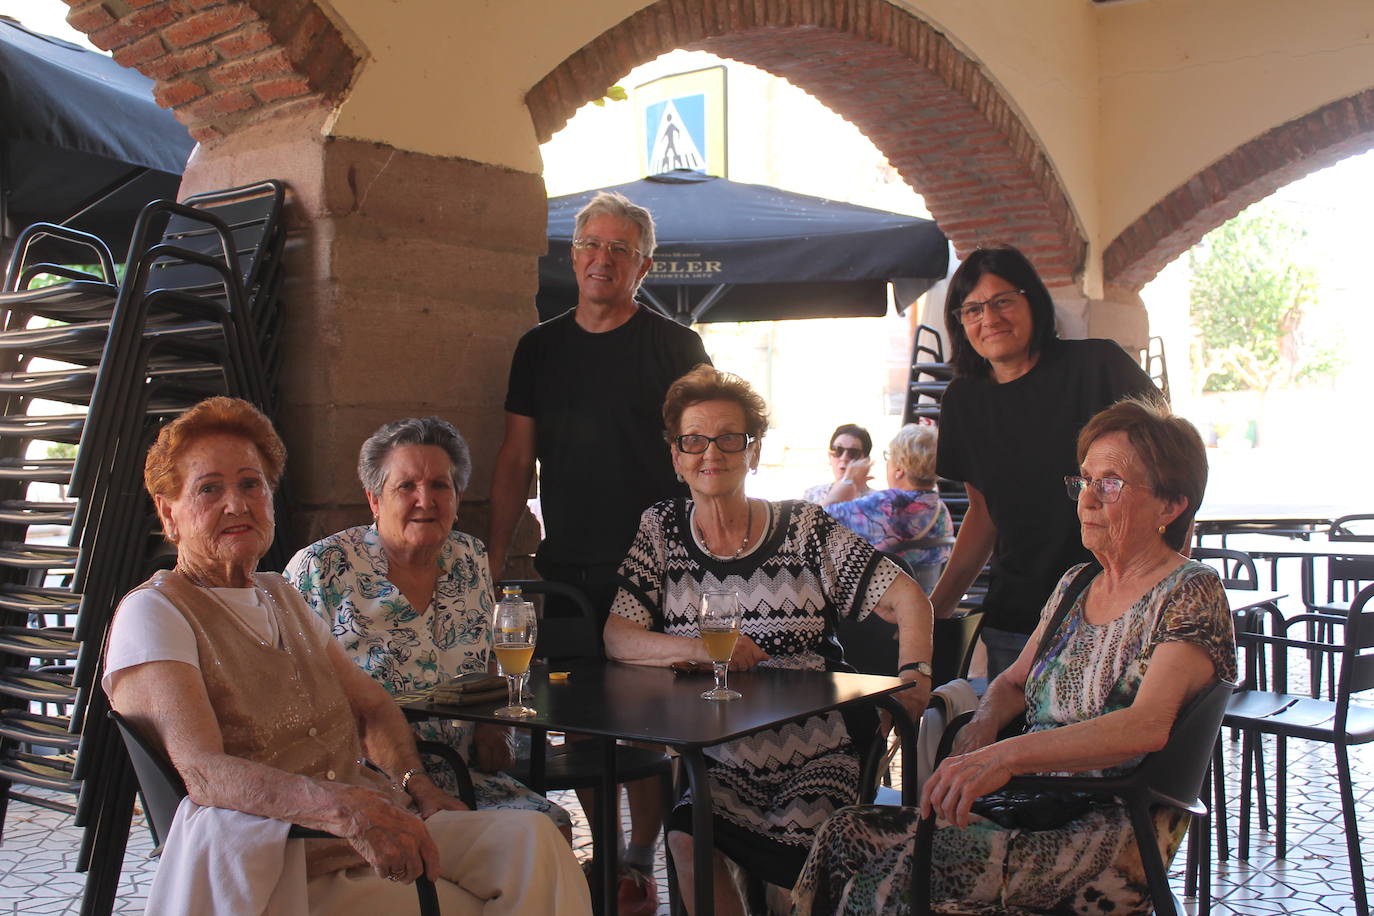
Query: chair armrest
{"points": [[466, 794], [424, 888]]}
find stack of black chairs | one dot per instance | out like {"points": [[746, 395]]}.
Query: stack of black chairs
{"points": [[930, 376], [94, 364]]}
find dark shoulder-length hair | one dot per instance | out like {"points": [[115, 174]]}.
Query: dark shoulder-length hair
{"points": [[1011, 265]]}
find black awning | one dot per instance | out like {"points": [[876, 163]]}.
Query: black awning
{"points": [[75, 127], [741, 252]]}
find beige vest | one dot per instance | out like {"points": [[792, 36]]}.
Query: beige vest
{"points": [[278, 706]]}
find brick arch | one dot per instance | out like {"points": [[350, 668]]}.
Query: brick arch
{"points": [[1249, 173], [932, 110], [223, 63]]}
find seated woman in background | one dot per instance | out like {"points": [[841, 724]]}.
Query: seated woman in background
{"points": [[850, 446], [796, 572], [909, 509], [260, 712], [409, 599], [1151, 631]]}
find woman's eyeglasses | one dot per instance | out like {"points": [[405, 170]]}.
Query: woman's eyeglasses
{"points": [[837, 451], [730, 443], [1107, 489], [973, 312]]}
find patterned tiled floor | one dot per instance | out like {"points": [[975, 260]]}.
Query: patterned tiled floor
{"points": [[40, 846]]}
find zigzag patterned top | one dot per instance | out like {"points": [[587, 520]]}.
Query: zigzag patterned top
{"points": [[772, 789], [805, 573]]}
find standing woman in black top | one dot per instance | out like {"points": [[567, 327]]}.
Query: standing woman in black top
{"points": [[1008, 426]]}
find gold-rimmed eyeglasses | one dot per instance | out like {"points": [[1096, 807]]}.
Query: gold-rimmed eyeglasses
{"points": [[614, 247]]}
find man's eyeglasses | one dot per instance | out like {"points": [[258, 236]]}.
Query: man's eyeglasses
{"points": [[1108, 489], [973, 312], [839, 451], [729, 443], [615, 249]]}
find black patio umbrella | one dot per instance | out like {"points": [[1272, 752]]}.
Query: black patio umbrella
{"points": [[82, 143], [743, 252]]}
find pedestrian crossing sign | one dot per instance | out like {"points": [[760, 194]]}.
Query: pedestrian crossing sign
{"points": [[683, 122]]}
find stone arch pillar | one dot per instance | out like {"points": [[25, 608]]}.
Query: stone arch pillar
{"points": [[1249, 173], [932, 110], [393, 307]]}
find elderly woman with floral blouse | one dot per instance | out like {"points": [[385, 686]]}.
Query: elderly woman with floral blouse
{"points": [[410, 599]]}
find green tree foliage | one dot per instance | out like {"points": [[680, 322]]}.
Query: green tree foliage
{"points": [[1249, 296]]}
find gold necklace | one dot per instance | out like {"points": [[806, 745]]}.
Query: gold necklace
{"points": [[748, 530], [270, 604]]}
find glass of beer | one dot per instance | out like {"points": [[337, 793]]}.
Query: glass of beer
{"points": [[718, 624], [513, 633]]}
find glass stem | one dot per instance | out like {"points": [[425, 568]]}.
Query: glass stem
{"points": [[719, 669], [512, 690]]}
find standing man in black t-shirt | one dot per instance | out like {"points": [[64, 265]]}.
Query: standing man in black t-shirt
{"points": [[1009, 426], [585, 400]]}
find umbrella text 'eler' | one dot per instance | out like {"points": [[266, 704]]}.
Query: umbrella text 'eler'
{"points": [[741, 252]]}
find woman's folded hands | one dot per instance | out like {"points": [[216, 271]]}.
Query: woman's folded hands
{"points": [[390, 838]]}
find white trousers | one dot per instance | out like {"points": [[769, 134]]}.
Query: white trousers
{"points": [[493, 863]]}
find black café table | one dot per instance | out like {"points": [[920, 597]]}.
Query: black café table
{"points": [[613, 701]]}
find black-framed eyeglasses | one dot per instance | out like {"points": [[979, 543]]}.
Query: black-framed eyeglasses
{"points": [[973, 312], [840, 451], [730, 443], [1108, 489], [613, 247]]}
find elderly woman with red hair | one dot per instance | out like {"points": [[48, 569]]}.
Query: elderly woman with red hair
{"points": [[261, 713]]}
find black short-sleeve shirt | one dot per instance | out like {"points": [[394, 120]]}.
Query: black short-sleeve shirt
{"points": [[597, 403], [1016, 442]]}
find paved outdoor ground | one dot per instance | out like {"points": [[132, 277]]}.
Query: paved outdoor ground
{"points": [[39, 847]]}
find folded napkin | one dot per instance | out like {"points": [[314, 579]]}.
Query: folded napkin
{"points": [[463, 690]]}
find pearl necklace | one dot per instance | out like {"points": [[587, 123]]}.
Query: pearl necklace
{"points": [[748, 531]]}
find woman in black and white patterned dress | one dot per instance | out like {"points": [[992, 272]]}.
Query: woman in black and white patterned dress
{"points": [[797, 573]]}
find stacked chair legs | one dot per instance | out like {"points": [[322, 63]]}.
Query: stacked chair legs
{"points": [[90, 367]]}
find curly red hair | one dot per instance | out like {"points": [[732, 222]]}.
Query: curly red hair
{"points": [[229, 416]]}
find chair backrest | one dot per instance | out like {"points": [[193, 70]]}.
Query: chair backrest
{"points": [[158, 781], [1357, 663], [563, 636], [252, 215], [1175, 772], [1236, 568], [1349, 573], [910, 551], [870, 645]]}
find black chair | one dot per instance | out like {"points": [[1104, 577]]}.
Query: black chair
{"points": [[1332, 721], [1235, 567], [162, 790], [1173, 776]]}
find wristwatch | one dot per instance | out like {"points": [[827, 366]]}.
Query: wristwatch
{"points": [[919, 668]]}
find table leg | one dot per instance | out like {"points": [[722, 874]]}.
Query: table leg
{"points": [[703, 838], [907, 729], [604, 845], [539, 751]]}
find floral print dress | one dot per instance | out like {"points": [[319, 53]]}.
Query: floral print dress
{"points": [[343, 579], [861, 862]]}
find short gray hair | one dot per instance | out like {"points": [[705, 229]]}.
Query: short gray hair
{"points": [[609, 203], [412, 431]]}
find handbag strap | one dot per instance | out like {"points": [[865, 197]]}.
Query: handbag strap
{"points": [[1066, 602]]}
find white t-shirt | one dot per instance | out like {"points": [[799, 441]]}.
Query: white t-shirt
{"points": [[148, 628]]}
